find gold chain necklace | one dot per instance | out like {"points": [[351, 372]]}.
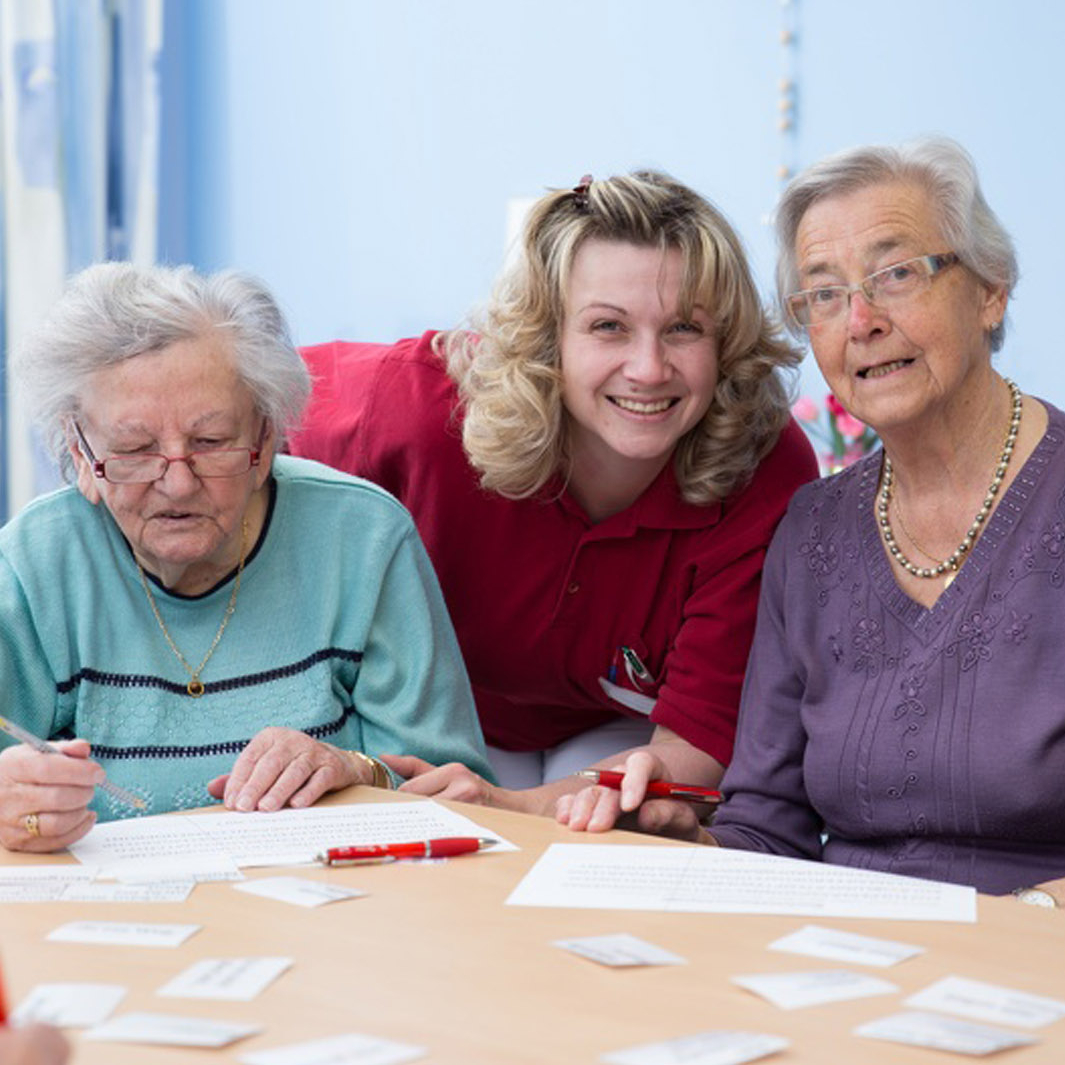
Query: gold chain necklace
{"points": [[195, 686], [951, 564]]}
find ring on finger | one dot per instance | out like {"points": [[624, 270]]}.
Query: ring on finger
{"points": [[32, 824]]}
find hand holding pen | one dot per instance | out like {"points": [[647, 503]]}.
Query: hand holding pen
{"points": [[45, 790], [641, 786]]}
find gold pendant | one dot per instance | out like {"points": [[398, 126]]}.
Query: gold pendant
{"points": [[946, 584], [195, 687]]}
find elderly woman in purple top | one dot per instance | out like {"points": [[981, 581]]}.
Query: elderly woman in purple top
{"points": [[904, 706]]}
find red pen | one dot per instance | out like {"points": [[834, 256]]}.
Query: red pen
{"points": [[656, 789], [3, 1003], [392, 852]]}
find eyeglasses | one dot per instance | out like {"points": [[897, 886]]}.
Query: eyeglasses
{"points": [[150, 466], [886, 288]]}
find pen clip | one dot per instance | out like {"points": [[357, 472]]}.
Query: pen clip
{"points": [[638, 673]]}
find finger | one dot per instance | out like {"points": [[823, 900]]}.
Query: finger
{"points": [[55, 832], [217, 788], [243, 768], [23, 765], [667, 817], [406, 765], [293, 776], [268, 770], [583, 806], [563, 805], [430, 781], [319, 782], [640, 768]]}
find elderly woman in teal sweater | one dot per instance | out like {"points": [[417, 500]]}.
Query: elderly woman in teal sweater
{"points": [[200, 617]]}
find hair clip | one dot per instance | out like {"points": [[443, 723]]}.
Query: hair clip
{"points": [[580, 193]]}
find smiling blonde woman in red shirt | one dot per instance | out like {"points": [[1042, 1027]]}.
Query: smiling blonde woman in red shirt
{"points": [[596, 470]]}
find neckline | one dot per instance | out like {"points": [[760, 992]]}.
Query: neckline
{"points": [[1002, 521]]}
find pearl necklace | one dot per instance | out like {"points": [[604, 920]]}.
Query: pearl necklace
{"points": [[951, 565], [195, 686]]}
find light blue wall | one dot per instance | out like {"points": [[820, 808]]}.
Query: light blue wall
{"points": [[359, 154]]}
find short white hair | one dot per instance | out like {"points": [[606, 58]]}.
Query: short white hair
{"points": [[940, 166], [115, 311]]}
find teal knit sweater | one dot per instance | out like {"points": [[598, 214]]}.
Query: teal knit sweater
{"points": [[339, 630]]}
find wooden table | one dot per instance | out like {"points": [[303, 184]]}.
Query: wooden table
{"points": [[434, 958]]}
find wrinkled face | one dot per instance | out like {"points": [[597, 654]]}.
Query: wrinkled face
{"points": [[889, 369], [636, 373], [184, 398]]}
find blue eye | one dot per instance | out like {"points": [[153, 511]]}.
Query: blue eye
{"points": [[687, 327], [825, 295]]}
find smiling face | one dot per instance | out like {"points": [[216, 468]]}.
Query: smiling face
{"points": [[933, 351], [637, 374], [187, 397]]}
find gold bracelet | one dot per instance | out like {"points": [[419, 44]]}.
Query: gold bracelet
{"points": [[380, 777]]}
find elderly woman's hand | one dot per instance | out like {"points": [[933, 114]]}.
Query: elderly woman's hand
{"points": [[598, 809], [44, 798], [450, 781], [284, 766]]}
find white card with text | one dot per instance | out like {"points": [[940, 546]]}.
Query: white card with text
{"points": [[791, 991], [942, 1033], [619, 950], [834, 945], [229, 979]]}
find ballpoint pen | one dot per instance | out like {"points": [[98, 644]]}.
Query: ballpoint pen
{"points": [[19, 733], [392, 852], [656, 789], [3, 1003]]}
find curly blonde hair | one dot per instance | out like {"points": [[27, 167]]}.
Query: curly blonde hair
{"points": [[508, 368]]}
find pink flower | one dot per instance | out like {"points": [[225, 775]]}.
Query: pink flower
{"points": [[848, 425], [805, 409], [834, 406]]}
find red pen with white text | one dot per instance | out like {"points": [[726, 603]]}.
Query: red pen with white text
{"points": [[656, 789], [448, 847]]}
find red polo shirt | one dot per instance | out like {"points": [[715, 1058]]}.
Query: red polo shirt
{"points": [[541, 597]]}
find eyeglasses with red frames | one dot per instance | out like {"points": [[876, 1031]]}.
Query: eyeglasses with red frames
{"points": [[149, 466]]}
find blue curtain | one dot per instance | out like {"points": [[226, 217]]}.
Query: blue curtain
{"points": [[79, 89]]}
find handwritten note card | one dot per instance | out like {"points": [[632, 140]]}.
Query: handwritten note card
{"points": [[69, 1005], [830, 943], [703, 1048], [942, 1033], [619, 951], [792, 991], [122, 933], [351, 1049], [298, 890], [170, 1030], [989, 1002], [229, 979]]}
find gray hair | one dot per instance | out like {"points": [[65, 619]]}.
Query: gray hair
{"points": [[940, 166], [115, 311]]}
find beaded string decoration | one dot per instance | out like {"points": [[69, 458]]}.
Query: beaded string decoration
{"points": [[950, 565]]}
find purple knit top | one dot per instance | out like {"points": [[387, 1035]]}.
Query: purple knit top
{"points": [[877, 733]]}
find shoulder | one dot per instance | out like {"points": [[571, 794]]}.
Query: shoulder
{"points": [[47, 519], [319, 490]]}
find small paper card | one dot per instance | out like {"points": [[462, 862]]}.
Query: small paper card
{"points": [[69, 1005], [943, 1033], [792, 991], [157, 891], [988, 1002], [351, 1049], [703, 1048], [121, 933], [232, 979], [620, 950], [42, 883], [171, 1030], [850, 947], [298, 890], [201, 868]]}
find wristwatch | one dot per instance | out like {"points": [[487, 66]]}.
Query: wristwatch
{"points": [[1035, 897]]}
